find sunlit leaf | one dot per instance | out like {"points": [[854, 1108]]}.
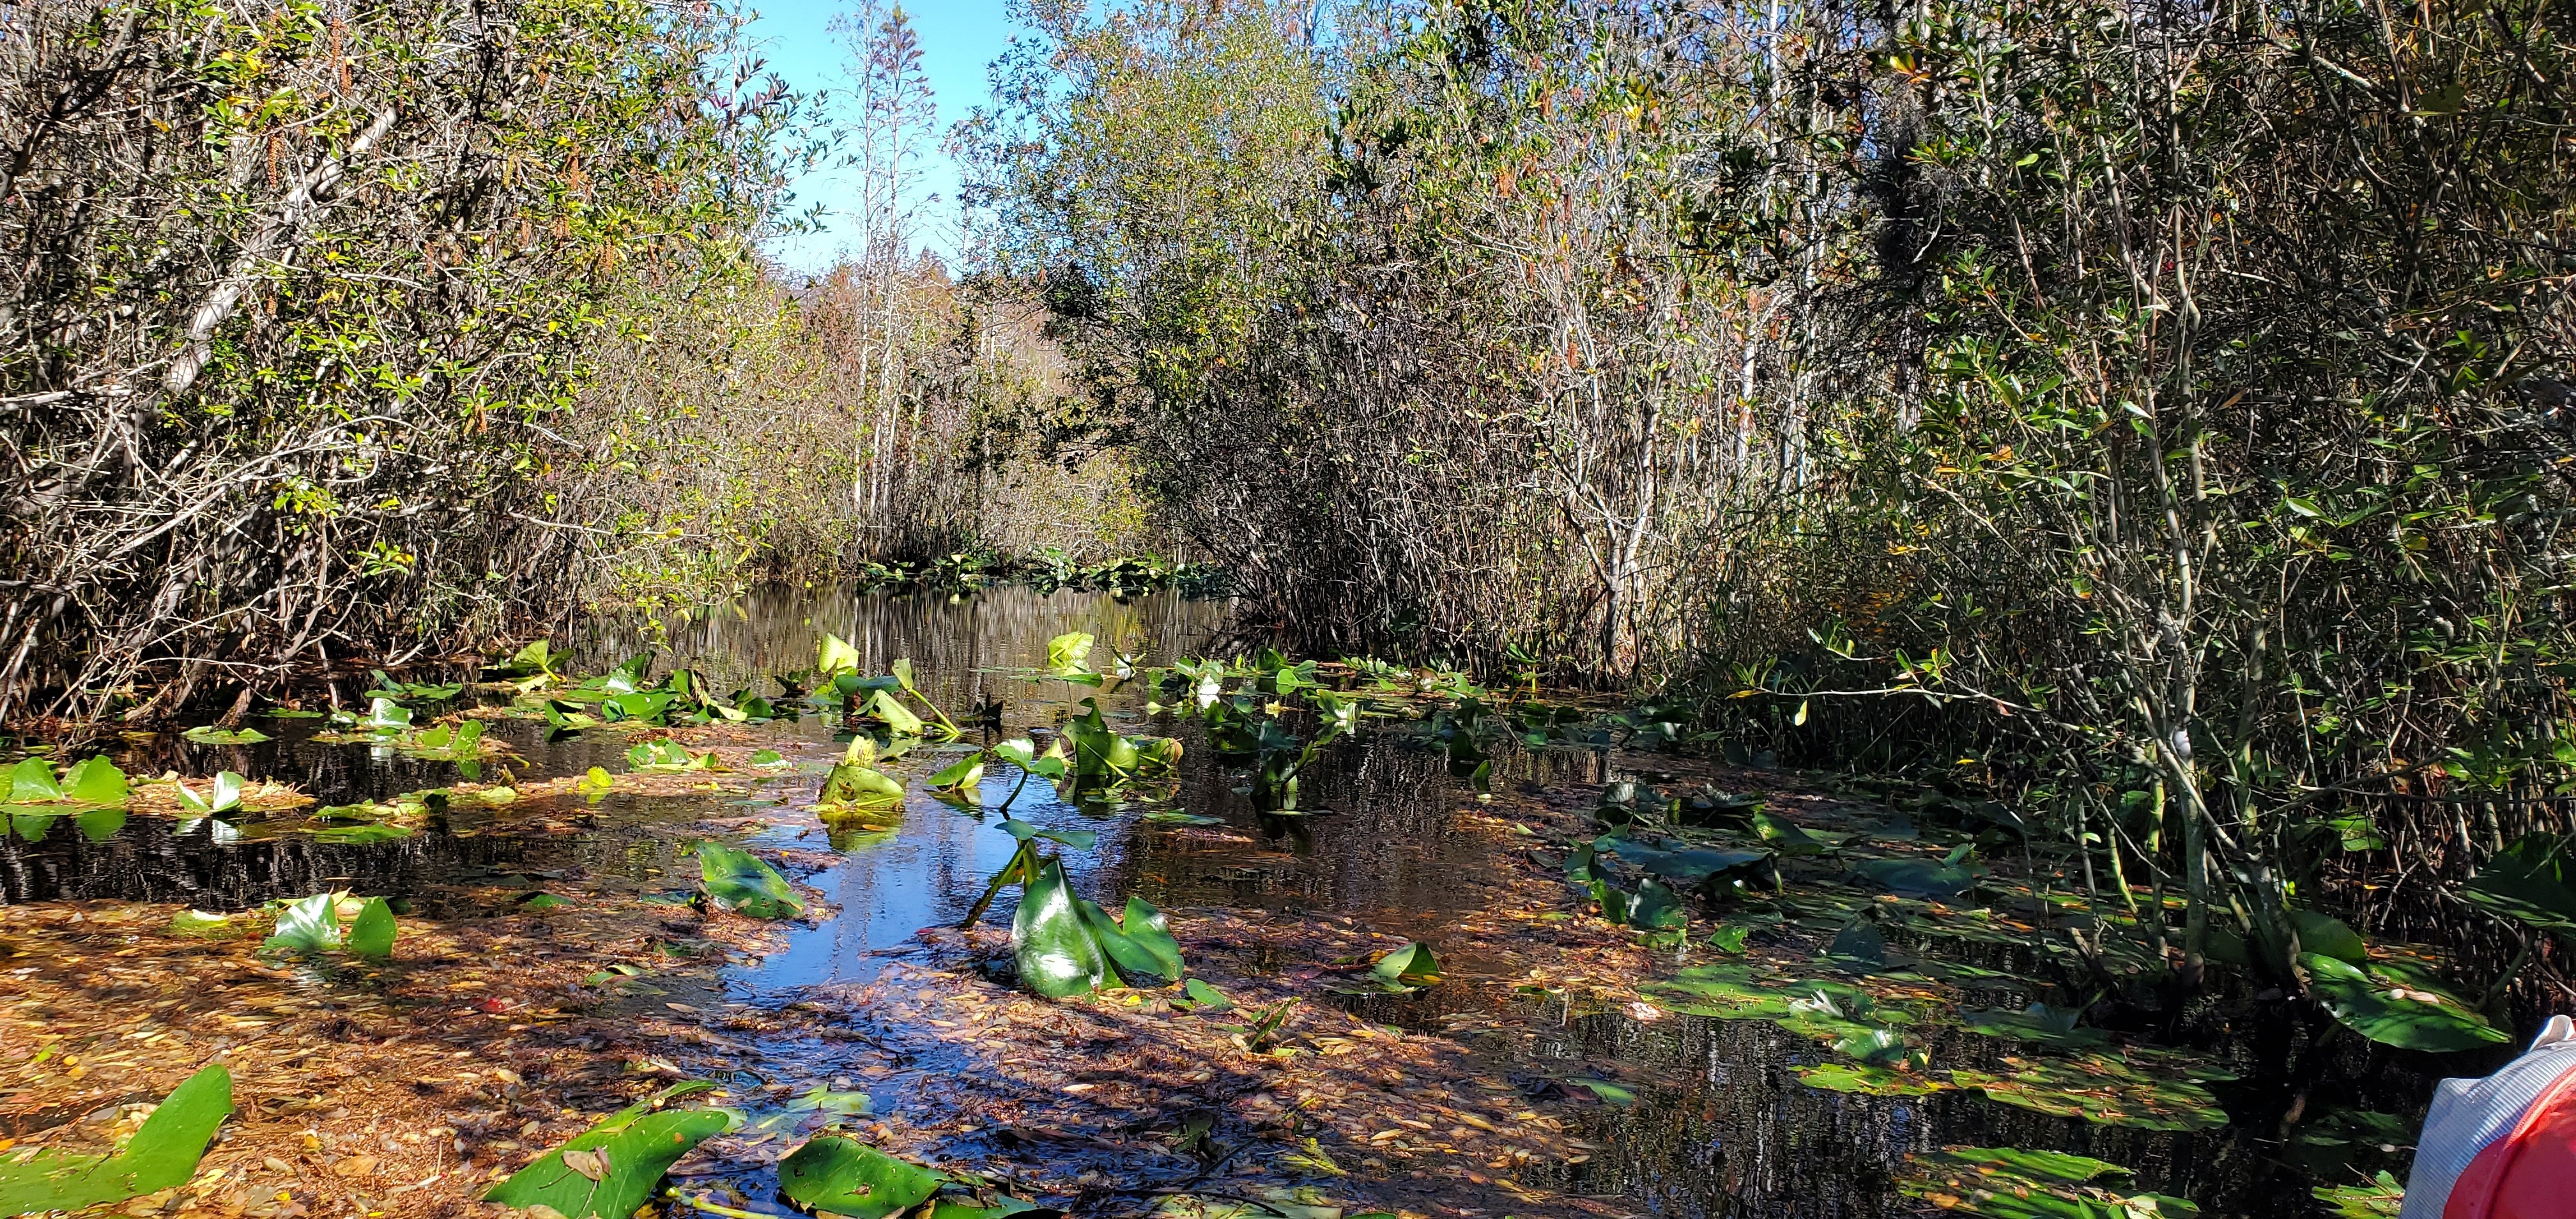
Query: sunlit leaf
{"points": [[742, 883], [163, 1154], [609, 1170], [2391, 1012], [1057, 952], [838, 1176]]}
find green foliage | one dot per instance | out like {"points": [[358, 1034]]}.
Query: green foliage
{"points": [[609, 1170], [744, 884], [2394, 1010], [163, 1154], [317, 924], [841, 1177]]}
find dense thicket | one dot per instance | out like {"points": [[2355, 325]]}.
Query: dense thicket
{"points": [[2157, 410], [335, 331]]}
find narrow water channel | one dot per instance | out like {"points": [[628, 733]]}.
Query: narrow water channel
{"points": [[1708, 1119]]}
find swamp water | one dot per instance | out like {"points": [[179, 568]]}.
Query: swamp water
{"points": [[1532, 1080]]}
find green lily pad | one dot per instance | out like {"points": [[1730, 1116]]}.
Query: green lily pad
{"points": [[163, 1154], [2382, 1198], [609, 1170], [1411, 967], [2100, 1089], [313, 924], [94, 781], [1139, 944], [2038, 1024], [1166, 816], [1198, 996], [200, 925], [32, 782], [208, 734], [359, 835], [1652, 907], [852, 784], [223, 796], [1870, 1080], [1914, 877], [1786, 837], [2530, 881], [2009, 1183], [544, 901], [2390, 1012], [964, 772], [838, 1176], [740, 882], [1057, 952]]}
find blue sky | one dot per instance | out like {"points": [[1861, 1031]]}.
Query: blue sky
{"points": [[958, 38]]}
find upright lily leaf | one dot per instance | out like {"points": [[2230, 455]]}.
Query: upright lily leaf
{"points": [[1080, 840], [162, 1155], [95, 781], [838, 1176], [32, 782], [1065, 653], [2392, 1013], [886, 709], [962, 773], [853, 783], [371, 934], [2531, 881], [740, 882], [312, 924], [609, 1170], [1411, 967], [1057, 953], [1785, 836], [1915, 877], [834, 656], [223, 796], [1140, 945]]}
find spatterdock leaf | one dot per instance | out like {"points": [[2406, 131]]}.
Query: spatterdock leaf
{"points": [[740, 882], [2393, 1013], [96, 781], [161, 1155], [32, 782], [1058, 954], [1140, 945], [838, 1176], [609, 1170]]}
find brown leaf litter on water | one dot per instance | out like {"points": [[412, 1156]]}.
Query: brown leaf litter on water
{"points": [[488, 1038]]}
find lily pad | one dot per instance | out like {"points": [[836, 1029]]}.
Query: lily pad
{"points": [[32, 782], [94, 781], [838, 1176], [964, 772], [609, 1170], [1198, 996], [1786, 837], [1139, 945], [2009, 1183], [314, 924], [163, 1154], [2038, 1024], [740, 882], [1915, 877], [1870, 1080], [854, 784], [1167, 816], [2389, 1011], [208, 734], [223, 796], [1057, 953], [2101, 1089]]}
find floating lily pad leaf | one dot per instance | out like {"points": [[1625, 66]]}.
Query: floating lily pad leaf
{"points": [[1198, 996], [1080, 840], [162, 1155], [208, 734], [543, 901], [1166, 816], [668, 755], [386, 715], [1608, 1093], [293, 713], [768, 759], [100, 824], [594, 783], [32, 782], [854, 784], [2038, 1024], [313, 924], [740, 882], [93, 781], [837, 1176], [1785, 837], [2100, 1089], [2389, 1012], [1729, 939], [200, 925], [1411, 967], [999, 1207], [1682, 867], [1870, 1080], [1057, 952], [609, 1170], [2383, 1198], [964, 772], [1876, 1047], [1915, 877], [821, 1102], [2007, 1183], [2531, 881], [1140, 945], [1860, 947], [361, 835]]}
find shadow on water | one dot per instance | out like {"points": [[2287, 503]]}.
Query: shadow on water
{"points": [[1719, 1126]]}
